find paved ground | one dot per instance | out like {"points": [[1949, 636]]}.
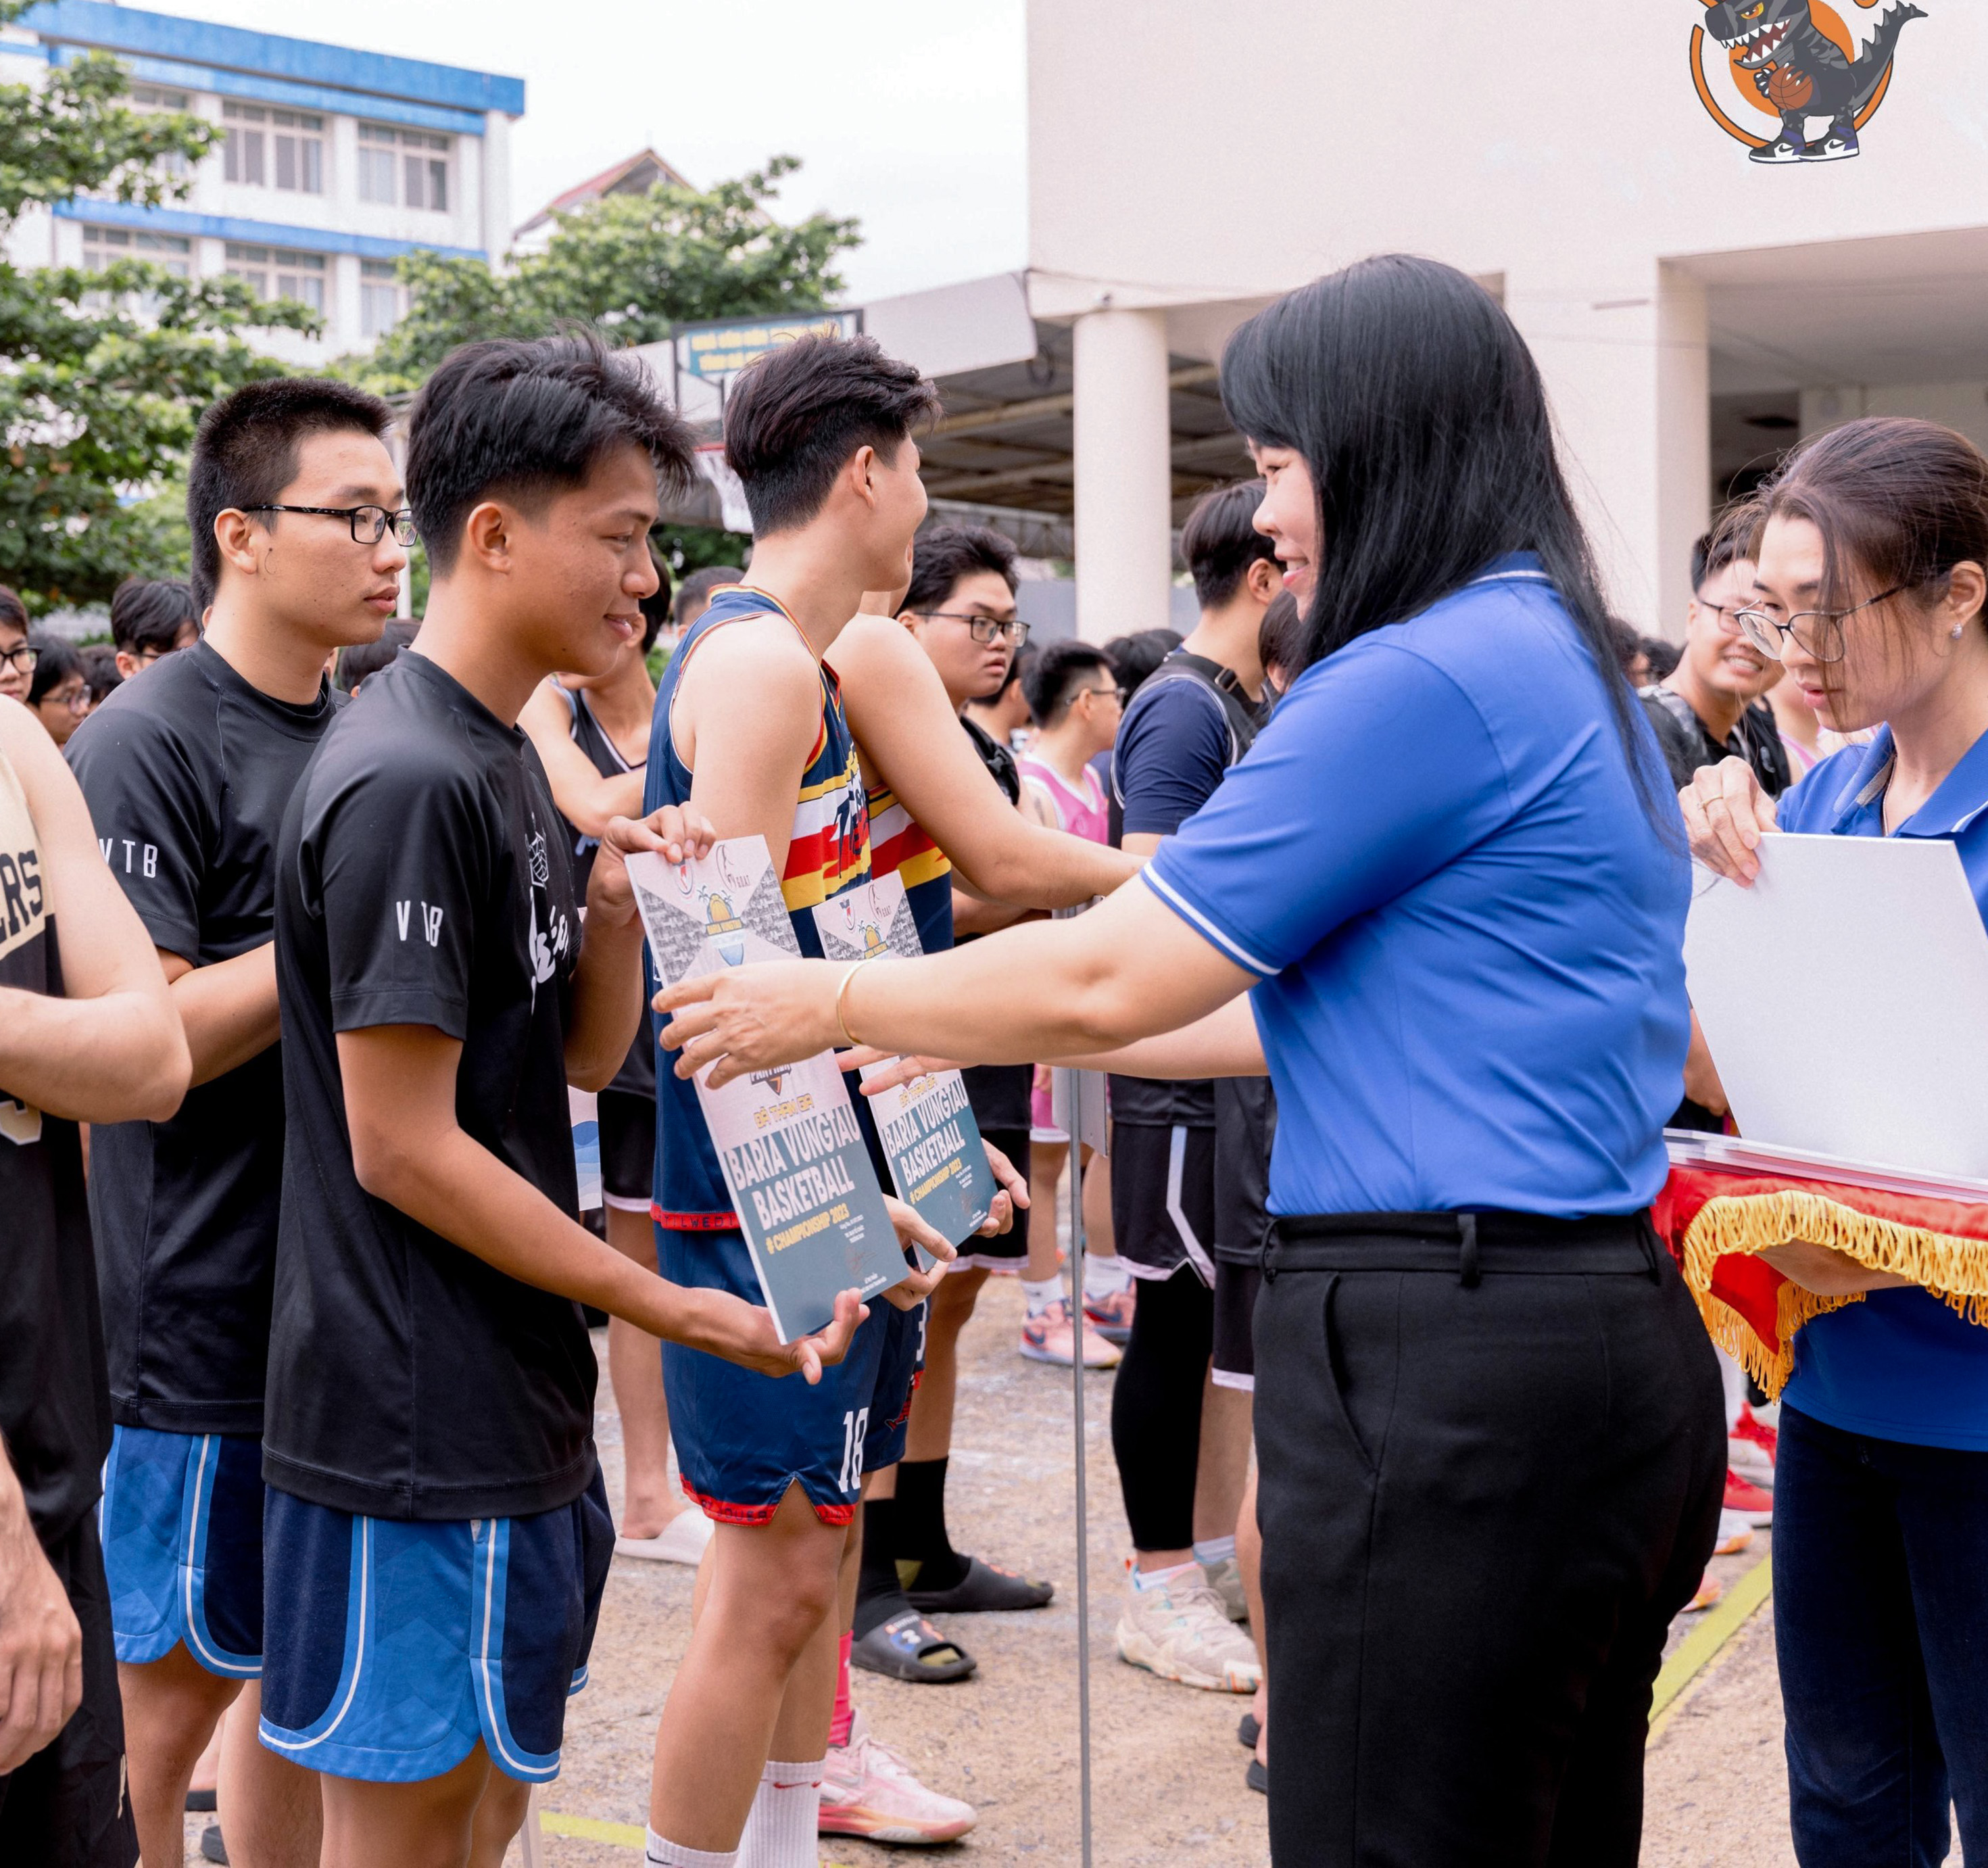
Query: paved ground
{"points": [[1169, 1781]]}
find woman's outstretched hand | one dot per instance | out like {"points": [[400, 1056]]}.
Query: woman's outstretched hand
{"points": [[750, 1018], [1725, 814]]}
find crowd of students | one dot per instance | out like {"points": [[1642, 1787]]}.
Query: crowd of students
{"points": [[327, 1359]]}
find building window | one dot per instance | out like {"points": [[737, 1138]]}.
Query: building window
{"points": [[283, 149], [102, 245], [148, 97], [408, 168], [277, 273], [380, 301]]}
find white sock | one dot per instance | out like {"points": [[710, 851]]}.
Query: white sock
{"points": [[662, 1854], [1143, 1579], [1208, 1552], [1103, 1277], [780, 1831], [1042, 1296]]}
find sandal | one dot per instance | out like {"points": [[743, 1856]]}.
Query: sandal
{"points": [[909, 1647]]}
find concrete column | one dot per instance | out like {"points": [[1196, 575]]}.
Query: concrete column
{"points": [[1627, 373], [1684, 438], [1125, 475], [494, 181]]}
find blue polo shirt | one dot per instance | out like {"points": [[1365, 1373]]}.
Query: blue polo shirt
{"points": [[1899, 1366], [1468, 930]]}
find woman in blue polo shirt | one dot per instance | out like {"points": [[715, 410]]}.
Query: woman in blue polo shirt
{"points": [[1870, 546], [1450, 879]]}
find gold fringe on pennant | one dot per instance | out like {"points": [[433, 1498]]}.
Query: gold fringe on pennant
{"points": [[1953, 1269]]}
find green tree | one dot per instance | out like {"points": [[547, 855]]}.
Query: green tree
{"points": [[631, 265], [102, 375]]}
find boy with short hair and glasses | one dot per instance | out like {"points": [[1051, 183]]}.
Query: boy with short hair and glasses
{"points": [[187, 772], [1711, 706]]}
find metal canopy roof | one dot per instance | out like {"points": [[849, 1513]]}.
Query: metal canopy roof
{"points": [[1006, 439], [1001, 453]]}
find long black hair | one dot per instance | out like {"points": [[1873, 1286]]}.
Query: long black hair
{"points": [[1420, 413]]}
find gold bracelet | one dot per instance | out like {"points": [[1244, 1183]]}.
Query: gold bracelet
{"points": [[841, 994]]}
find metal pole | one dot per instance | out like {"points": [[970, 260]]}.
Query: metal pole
{"points": [[1073, 1097]]}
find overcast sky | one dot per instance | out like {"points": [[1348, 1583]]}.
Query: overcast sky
{"points": [[908, 114]]}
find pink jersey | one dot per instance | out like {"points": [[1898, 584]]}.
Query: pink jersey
{"points": [[1083, 812]]}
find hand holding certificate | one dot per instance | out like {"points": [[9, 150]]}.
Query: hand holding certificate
{"points": [[788, 1144], [930, 1137]]}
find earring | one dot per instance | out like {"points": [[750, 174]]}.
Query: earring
{"points": [[1957, 628]]}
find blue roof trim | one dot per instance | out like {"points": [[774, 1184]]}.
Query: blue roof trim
{"points": [[263, 233], [124, 28], [281, 91]]}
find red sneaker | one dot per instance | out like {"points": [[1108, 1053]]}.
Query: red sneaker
{"points": [[1743, 1496], [1760, 1441]]}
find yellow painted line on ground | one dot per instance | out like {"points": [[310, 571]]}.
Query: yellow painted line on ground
{"points": [[591, 1828], [616, 1834], [1696, 1653], [1701, 1647]]}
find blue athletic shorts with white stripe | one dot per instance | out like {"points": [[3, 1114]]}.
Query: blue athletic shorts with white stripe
{"points": [[394, 1645], [182, 1532]]}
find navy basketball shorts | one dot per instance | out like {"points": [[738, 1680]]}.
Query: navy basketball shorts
{"points": [[899, 1370], [394, 1645], [182, 1530], [742, 1438]]}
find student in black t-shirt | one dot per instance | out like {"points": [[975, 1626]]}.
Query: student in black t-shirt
{"points": [[1711, 706], [1182, 1443], [591, 733], [438, 1534], [86, 1035], [293, 503]]}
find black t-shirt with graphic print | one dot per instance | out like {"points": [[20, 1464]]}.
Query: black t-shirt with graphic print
{"points": [[187, 770], [424, 879]]}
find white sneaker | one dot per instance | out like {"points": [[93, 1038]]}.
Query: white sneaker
{"points": [[1225, 1579], [681, 1540], [1180, 1631], [870, 1790]]}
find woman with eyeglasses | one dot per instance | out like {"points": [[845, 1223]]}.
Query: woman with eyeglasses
{"points": [[17, 653], [1442, 900], [58, 691], [1871, 550]]}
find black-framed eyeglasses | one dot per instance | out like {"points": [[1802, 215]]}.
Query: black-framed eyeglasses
{"points": [[986, 629], [368, 523], [1817, 633], [1116, 693], [21, 658], [1728, 614]]}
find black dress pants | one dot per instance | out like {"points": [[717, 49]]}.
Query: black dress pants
{"points": [[1483, 1498]]}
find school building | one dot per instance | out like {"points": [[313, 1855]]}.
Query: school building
{"points": [[1693, 309], [335, 163]]}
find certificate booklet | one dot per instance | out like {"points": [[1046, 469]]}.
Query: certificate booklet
{"points": [[792, 1157], [1844, 998], [929, 1134]]}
